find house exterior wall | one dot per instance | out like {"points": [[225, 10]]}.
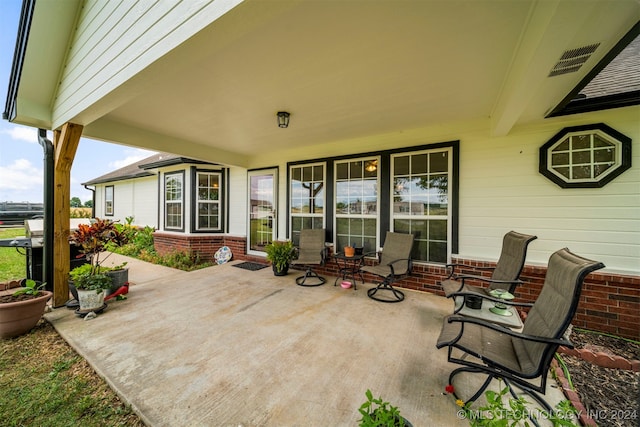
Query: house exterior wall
{"points": [[133, 197], [502, 190], [116, 40]]}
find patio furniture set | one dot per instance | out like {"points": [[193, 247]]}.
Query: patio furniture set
{"points": [[485, 333]]}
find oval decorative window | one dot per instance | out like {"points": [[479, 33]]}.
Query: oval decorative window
{"points": [[585, 156]]}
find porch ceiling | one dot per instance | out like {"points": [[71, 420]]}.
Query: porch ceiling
{"points": [[349, 69]]}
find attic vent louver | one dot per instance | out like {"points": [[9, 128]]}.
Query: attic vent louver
{"points": [[572, 60]]}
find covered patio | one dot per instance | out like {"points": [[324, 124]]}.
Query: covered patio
{"points": [[229, 347]]}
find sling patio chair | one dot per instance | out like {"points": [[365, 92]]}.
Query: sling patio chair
{"points": [[504, 275], [520, 359], [395, 263], [311, 251]]}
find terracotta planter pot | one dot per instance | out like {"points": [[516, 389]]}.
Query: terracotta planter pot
{"points": [[349, 251], [17, 318]]}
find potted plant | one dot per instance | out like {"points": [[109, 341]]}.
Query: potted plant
{"points": [[21, 310], [90, 287], [91, 280], [378, 413], [280, 253], [119, 276]]}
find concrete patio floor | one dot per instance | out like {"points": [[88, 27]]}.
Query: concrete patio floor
{"points": [[223, 346]]}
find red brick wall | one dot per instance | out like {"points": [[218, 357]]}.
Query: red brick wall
{"points": [[609, 302], [204, 245]]}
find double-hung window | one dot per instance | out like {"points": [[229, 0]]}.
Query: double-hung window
{"points": [[174, 200], [359, 198], [108, 200], [356, 203], [208, 201], [420, 192], [307, 193]]}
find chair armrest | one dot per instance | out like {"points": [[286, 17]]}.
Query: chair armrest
{"points": [[512, 283], [409, 264], [502, 329], [463, 277], [472, 267]]}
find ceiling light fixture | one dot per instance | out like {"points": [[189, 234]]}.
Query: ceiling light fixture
{"points": [[283, 119], [371, 166]]}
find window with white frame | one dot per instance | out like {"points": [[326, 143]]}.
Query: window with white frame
{"points": [[585, 156], [356, 203], [108, 200], [208, 201], [307, 193], [173, 200], [420, 194]]}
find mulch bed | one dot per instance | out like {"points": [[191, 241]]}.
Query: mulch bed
{"points": [[610, 396]]}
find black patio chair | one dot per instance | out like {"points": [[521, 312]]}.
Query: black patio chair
{"points": [[504, 275], [395, 263], [311, 251], [520, 359]]}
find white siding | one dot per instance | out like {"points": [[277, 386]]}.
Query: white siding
{"points": [[137, 198], [237, 201], [115, 40]]}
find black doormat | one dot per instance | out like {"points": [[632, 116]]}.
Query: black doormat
{"points": [[253, 266]]}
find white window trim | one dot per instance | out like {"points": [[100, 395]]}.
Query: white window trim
{"points": [[217, 202], [351, 216], [180, 176], [448, 216], [108, 212], [591, 133], [322, 215]]}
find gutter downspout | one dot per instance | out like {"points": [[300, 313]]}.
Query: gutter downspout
{"points": [[93, 200], [49, 186]]}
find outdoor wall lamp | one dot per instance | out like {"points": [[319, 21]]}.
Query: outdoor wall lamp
{"points": [[283, 119]]}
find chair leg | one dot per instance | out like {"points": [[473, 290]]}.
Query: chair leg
{"points": [[509, 384], [386, 286], [315, 279], [473, 370]]}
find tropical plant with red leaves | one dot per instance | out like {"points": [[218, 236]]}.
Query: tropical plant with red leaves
{"points": [[93, 239]]}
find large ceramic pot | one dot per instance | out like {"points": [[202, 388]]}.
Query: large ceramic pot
{"points": [[17, 318], [90, 300]]}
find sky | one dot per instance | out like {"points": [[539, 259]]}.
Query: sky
{"points": [[22, 157]]}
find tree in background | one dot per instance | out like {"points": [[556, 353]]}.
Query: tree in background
{"points": [[75, 202], [88, 204]]}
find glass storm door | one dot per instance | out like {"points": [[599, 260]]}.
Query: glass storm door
{"points": [[263, 187]]}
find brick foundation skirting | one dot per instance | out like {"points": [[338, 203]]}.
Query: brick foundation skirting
{"points": [[609, 302]]}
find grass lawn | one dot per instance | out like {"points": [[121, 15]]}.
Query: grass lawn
{"points": [[43, 381], [12, 263]]}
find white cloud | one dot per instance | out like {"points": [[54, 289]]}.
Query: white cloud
{"points": [[21, 175], [133, 156], [21, 181], [22, 133]]}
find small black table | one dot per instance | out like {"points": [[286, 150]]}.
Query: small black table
{"points": [[349, 267]]}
